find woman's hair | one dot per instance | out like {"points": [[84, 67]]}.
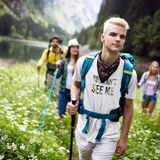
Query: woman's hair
{"points": [[150, 68], [68, 56], [116, 21]]}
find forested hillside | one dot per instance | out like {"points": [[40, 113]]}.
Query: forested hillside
{"points": [[26, 20], [41, 19], [143, 38]]}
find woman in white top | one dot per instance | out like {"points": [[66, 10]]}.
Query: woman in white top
{"points": [[150, 83], [66, 71]]}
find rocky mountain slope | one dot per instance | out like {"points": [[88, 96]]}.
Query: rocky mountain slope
{"points": [[70, 15]]}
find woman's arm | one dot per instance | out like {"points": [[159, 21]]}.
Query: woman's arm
{"points": [[61, 67], [142, 80]]}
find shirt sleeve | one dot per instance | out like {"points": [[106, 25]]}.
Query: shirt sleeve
{"points": [[132, 86], [141, 82], [43, 59], [158, 87], [78, 68]]}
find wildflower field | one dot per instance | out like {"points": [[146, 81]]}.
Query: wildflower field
{"points": [[22, 105]]}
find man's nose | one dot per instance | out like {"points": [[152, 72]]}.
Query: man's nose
{"points": [[117, 38]]}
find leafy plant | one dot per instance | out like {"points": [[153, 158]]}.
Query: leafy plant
{"points": [[22, 105]]}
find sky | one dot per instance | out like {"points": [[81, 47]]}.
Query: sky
{"points": [[96, 4]]}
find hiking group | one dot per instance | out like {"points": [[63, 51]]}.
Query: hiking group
{"points": [[108, 82]]}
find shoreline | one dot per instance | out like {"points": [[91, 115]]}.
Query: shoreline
{"points": [[83, 50], [7, 62], [21, 40]]}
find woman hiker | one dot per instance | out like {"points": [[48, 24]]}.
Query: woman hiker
{"points": [[150, 83], [67, 66]]}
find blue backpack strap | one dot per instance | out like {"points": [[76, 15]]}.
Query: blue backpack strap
{"points": [[127, 74], [128, 57], [85, 67]]}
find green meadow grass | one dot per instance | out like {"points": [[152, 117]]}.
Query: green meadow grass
{"points": [[22, 105]]}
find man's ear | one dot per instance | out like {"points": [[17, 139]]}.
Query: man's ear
{"points": [[102, 37]]}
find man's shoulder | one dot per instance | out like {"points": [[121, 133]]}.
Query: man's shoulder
{"points": [[46, 50], [82, 58]]}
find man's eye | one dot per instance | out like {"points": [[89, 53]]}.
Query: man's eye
{"points": [[113, 34], [123, 37]]}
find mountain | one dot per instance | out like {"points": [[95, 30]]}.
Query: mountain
{"points": [[70, 15], [41, 19]]}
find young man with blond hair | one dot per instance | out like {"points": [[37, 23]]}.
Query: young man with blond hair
{"points": [[102, 94]]}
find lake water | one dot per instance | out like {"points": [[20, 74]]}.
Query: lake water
{"points": [[21, 51]]}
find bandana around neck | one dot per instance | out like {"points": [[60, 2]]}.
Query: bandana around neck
{"points": [[105, 71]]}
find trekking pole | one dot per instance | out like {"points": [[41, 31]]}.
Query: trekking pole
{"points": [[49, 98], [38, 78], [72, 128]]}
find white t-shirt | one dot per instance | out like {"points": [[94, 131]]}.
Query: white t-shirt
{"points": [[102, 98], [69, 80], [150, 87]]}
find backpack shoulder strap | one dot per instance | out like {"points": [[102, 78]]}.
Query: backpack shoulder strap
{"points": [[127, 74], [86, 66], [87, 63], [48, 53]]}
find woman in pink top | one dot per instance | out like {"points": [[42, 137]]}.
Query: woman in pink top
{"points": [[150, 83]]}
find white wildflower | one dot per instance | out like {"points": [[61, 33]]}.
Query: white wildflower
{"points": [[20, 157], [19, 97], [5, 99], [22, 128], [22, 146], [31, 141], [61, 150], [8, 146], [147, 131], [20, 104], [125, 158], [24, 108], [50, 131], [157, 151], [43, 151], [35, 121], [50, 150], [14, 147], [4, 137], [1, 156]]}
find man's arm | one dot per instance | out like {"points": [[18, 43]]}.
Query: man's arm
{"points": [[127, 118], [43, 59], [72, 109]]}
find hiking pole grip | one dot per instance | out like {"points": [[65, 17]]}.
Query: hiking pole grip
{"points": [[72, 128], [73, 116]]}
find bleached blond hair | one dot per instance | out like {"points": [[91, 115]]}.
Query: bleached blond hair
{"points": [[117, 21]]}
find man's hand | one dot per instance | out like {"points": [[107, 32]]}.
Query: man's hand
{"points": [[127, 118], [72, 109], [38, 67], [59, 63], [121, 147]]}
